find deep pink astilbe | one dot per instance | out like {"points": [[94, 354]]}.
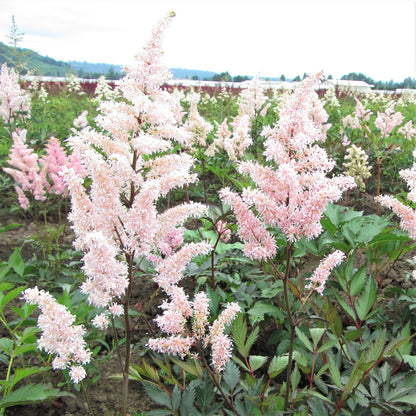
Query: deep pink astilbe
{"points": [[59, 334], [26, 172], [292, 190], [14, 101]]}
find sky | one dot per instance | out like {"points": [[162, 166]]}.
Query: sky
{"points": [[244, 37]]}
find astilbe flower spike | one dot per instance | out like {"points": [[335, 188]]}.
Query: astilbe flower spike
{"points": [[60, 336], [406, 213], [292, 190], [116, 219], [14, 101]]}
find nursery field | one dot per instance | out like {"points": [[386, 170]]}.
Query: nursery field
{"points": [[177, 251]]}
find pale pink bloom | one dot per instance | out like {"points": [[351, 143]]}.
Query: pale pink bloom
{"points": [[252, 99], [361, 113], [407, 214], [59, 335], [106, 275], [258, 242], [236, 145], [172, 241], [346, 141], [175, 345], [170, 269], [81, 121], [293, 191], [388, 120], [200, 315], [197, 125], [221, 351], [408, 130], [223, 231], [116, 309], [351, 121], [321, 274], [77, 373], [222, 135], [14, 101], [101, 321]]}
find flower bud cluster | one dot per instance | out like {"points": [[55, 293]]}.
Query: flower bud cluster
{"points": [[356, 165]]}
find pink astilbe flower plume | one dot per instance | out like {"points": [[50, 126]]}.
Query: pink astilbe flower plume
{"points": [[321, 274], [14, 101], [293, 189], [406, 213], [116, 218], [59, 336]]}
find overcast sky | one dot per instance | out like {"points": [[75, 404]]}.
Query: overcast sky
{"points": [[243, 37]]}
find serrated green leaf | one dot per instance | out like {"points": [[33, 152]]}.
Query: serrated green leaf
{"points": [[316, 334], [277, 365], [334, 371], [262, 308], [411, 360], [304, 339], [256, 361], [231, 375], [188, 399], [366, 300], [251, 339], [176, 398], [410, 399], [32, 393], [7, 346], [157, 394], [239, 333]]}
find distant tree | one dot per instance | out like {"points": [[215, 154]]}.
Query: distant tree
{"points": [[282, 78], [223, 77], [330, 76], [15, 36], [111, 73], [240, 78], [297, 78], [195, 77], [305, 75]]}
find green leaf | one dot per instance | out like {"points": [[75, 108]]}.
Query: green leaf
{"points": [[32, 393], [334, 371], [411, 360], [16, 262], [21, 373], [239, 332], [12, 294], [231, 375], [7, 346], [262, 308], [304, 339], [157, 394], [366, 300], [277, 365], [256, 361], [316, 334], [410, 399], [358, 281]]}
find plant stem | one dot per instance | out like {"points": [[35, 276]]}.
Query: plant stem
{"points": [[291, 324]]}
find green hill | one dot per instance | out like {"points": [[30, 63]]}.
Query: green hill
{"points": [[32, 61]]}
